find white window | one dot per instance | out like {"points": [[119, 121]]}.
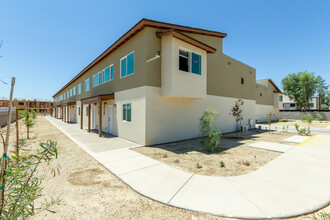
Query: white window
{"points": [[79, 89], [127, 65], [107, 74], [74, 91], [97, 79], [87, 84]]}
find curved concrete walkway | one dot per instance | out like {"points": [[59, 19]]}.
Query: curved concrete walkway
{"points": [[295, 183]]}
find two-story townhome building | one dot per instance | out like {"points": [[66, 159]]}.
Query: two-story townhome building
{"points": [[154, 83]]}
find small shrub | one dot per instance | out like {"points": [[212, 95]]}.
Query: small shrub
{"points": [[307, 118], [246, 163], [280, 120], [321, 216], [222, 164], [319, 117], [210, 134], [176, 161], [303, 131], [198, 166], [285, 129], [165, 156]]}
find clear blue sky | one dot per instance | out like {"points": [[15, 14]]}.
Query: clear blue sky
{"points": [[46, 43]]}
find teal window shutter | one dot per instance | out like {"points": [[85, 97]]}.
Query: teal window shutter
{"points": [[130, 64], [196, 64], [111, 76], [124, 112], [123, 68], [129, 112]]}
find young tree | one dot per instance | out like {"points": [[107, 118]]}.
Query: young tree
{"points": [[301, 87], [270, 116], [209, 131], [28, 119], [237, 112], [21, 186]]}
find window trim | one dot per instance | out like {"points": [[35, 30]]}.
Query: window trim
{"points": [[125, 57]]}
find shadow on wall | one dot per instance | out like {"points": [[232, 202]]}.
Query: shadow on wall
{"points": [[4, 115]]}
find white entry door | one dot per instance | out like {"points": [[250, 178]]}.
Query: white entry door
{"points": [[110, 120]]}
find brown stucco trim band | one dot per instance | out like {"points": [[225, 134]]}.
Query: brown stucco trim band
{"points": [[187, 39], [132, 32]]}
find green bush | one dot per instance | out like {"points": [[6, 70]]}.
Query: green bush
{"points": [[210, 134], [324, 106], [280, 120], [303, 131], [319, 117], [307, 118]]}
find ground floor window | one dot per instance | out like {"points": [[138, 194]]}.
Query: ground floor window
{"points": [[87, 109], [127, 112], [78, 110]]}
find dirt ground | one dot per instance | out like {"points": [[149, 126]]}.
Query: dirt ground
{"points": [[291, 122], [89, 191], [235, 154]]}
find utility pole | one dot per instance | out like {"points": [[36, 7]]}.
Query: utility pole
{"points": [[5, 148]]}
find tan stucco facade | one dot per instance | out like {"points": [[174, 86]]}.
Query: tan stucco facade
{"points": [[166, 102], [177, 83]]}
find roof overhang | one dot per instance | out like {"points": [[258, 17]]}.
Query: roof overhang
{"points": [[187, 39], [278, 90], [132, 32], [97, 99], [69, 104]]}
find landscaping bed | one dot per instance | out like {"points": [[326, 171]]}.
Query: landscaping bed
{"points": [[89, 191], [233, 158], [292, 122]]}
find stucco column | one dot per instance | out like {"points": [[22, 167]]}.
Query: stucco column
{"points": [[89, 118], [100, 118], [81, 115]]}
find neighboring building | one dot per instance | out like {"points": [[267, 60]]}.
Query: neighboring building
{"points": [[154, 83], [39, 106], [289, 104], [269, 98]]}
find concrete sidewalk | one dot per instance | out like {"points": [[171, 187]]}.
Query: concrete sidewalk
{"points": [[295, 183]]}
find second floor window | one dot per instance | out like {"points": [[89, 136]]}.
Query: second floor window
{"points": [[67, 94], [107, 74], [79, 89], [87, 84], [96, 79], [190, 62], [127, 65], [74, 91]]}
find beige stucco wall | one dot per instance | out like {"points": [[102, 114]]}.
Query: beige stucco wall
{"points": [[171, 119], [136, 129], [263, 110], [176, 82], [268, 96]]}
